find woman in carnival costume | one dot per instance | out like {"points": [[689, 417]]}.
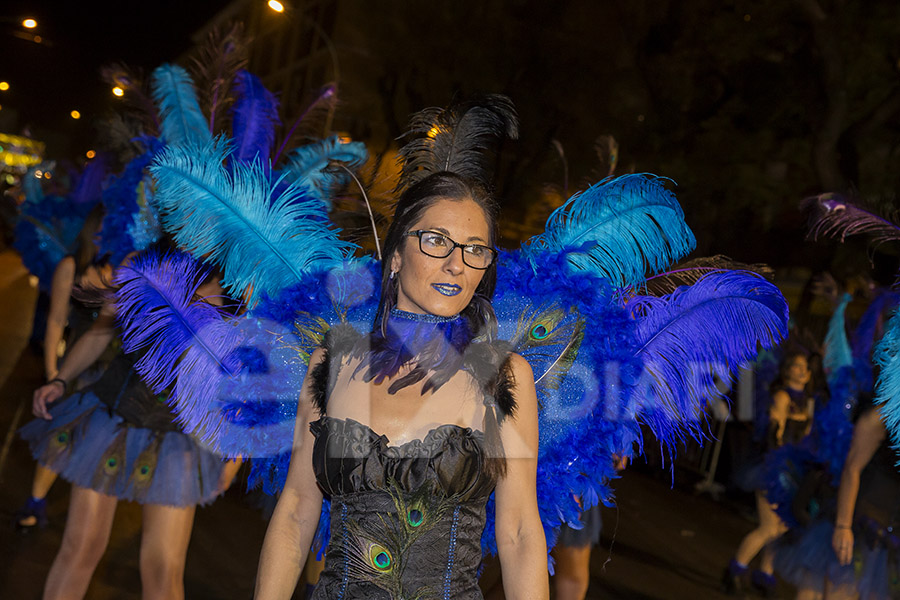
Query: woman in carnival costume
{"points": [[115, 439], [790, 418], [67, 318], [409, 436]]}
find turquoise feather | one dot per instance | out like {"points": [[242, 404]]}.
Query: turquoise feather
{"points": [[309, 164], [619, 229], [837, 345], [887, 389], [182, 119], [263, 241]]}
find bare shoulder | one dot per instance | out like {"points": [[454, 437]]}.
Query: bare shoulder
{"points": [[520, 368]]}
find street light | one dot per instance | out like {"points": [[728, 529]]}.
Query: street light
{"points": [[29, 23], [75, 114], [117, 91], [276, 6], [4, 86]]}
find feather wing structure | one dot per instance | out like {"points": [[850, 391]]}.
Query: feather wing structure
{"points": [[836, 216], [619, 228], [182, 120], [254, 119], [456, 138], [696, 335], [264, 243], [310, 164]]}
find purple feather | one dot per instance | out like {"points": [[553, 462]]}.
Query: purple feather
{"points": [[156, 309], [255, 118], [696, 335], [834, 215]]}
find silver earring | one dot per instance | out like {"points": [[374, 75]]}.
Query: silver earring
{"points": [[391, 276]]}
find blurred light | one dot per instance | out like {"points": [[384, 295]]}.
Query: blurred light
{"points": [[434, 131], [1, 107], [90, 154], [29, 23], [75, 114], [747, 18], [38, 174], [46, 174], [640, 118], [345, 139], [276, 6], [117, 91], [3, 86], [10, 179], [38, 39]]}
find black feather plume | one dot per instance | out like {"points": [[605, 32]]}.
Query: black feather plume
{"points": [[456, 138]]}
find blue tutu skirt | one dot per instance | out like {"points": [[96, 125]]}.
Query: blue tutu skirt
{"points": [[808, 560], [90, 446]]}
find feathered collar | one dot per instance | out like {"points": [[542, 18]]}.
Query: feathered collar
{"points": [[430, 343]]}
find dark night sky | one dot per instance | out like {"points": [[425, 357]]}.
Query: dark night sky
{"points": [[48, 80]]}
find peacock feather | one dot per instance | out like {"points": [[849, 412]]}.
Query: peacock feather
{"points": [[111, 464]]}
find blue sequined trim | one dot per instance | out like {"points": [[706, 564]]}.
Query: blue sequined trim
{"points": [[421, 317], [451, 552], [345, 568]]}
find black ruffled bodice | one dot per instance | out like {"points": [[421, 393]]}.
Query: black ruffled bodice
{"points": [[406, 521], [121, 388]]}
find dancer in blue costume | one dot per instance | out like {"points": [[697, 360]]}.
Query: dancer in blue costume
{"points": [[414, 433], [115, 440], [790, 417], [67, 320]]}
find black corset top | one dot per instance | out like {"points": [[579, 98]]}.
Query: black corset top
{"points": [[350, 457], [406, 521]]}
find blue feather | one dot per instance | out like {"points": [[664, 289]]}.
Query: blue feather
{"points": [[696, 335], [156, 310], [263, 244], [310, 163], [837, 345], [255, 117], [90, 183], [182, 119], [121, 201], [887, 388], [619, 228]]}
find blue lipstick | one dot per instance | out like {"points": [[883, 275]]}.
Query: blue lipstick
{"points": [[447, 289]]}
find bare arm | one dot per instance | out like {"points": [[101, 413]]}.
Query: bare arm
{"points": [[296, 515], [520, 534], [868, 434], [84, 353], [60, 291], [778, 413]]}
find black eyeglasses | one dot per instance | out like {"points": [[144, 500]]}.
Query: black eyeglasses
{"points": [[438, 245]]}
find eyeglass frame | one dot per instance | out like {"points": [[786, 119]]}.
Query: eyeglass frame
{"points": [[418, 233]]}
